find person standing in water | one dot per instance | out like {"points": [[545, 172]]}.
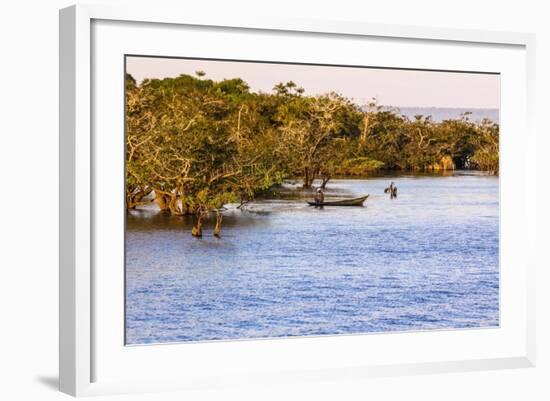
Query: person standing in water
{"points": [[392, 190], [319, 198]]}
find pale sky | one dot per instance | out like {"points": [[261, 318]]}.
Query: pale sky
{"points": [[399, 88]]}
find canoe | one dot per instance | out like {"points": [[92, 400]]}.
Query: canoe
{"points": [[343, 202]]}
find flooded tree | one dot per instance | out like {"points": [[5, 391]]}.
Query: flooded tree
{"points": [[310, 128], [194, 145]]}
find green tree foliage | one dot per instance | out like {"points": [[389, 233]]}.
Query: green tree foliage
{"points": [[485, 147], [198, 144], [312, 128]]}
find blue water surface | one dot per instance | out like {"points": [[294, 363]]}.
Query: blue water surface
{"points": [[426, 260]]}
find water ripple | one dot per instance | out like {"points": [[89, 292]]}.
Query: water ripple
{"points": [[428, 260]]}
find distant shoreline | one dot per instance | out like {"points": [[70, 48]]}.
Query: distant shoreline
{"points": [[447, 113]]}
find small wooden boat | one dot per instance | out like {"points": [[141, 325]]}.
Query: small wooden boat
{"points": [[343, 202]]}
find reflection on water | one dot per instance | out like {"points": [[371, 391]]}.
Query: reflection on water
{"points": [[427, 260]]}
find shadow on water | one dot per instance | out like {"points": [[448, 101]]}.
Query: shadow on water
{"points": [[151, 219]]}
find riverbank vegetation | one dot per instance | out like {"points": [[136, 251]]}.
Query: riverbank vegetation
{"points": [[197, 144]]}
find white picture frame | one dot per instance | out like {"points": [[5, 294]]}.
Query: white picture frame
{"points": [[82, 344]]}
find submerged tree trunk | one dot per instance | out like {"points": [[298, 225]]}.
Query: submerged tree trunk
{"points": [[309, 177], [197, 225], [218, 227], [325, 178], [306, 183]]}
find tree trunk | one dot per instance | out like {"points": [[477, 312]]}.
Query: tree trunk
{"points": [[187, 208], [197, 225], [306, 178], [309, 176], [173, 205], [136, 199], [365, 131], [162, 201], [325, 179], [130, 202], [218, 227]]}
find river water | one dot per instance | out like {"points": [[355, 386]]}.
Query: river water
{"points": [[426, 260]]}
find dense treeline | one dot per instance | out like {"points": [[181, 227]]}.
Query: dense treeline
{"points": [[197, 144]]}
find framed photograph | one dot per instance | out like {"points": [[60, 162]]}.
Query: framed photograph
{"points": [[276, 200]]}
